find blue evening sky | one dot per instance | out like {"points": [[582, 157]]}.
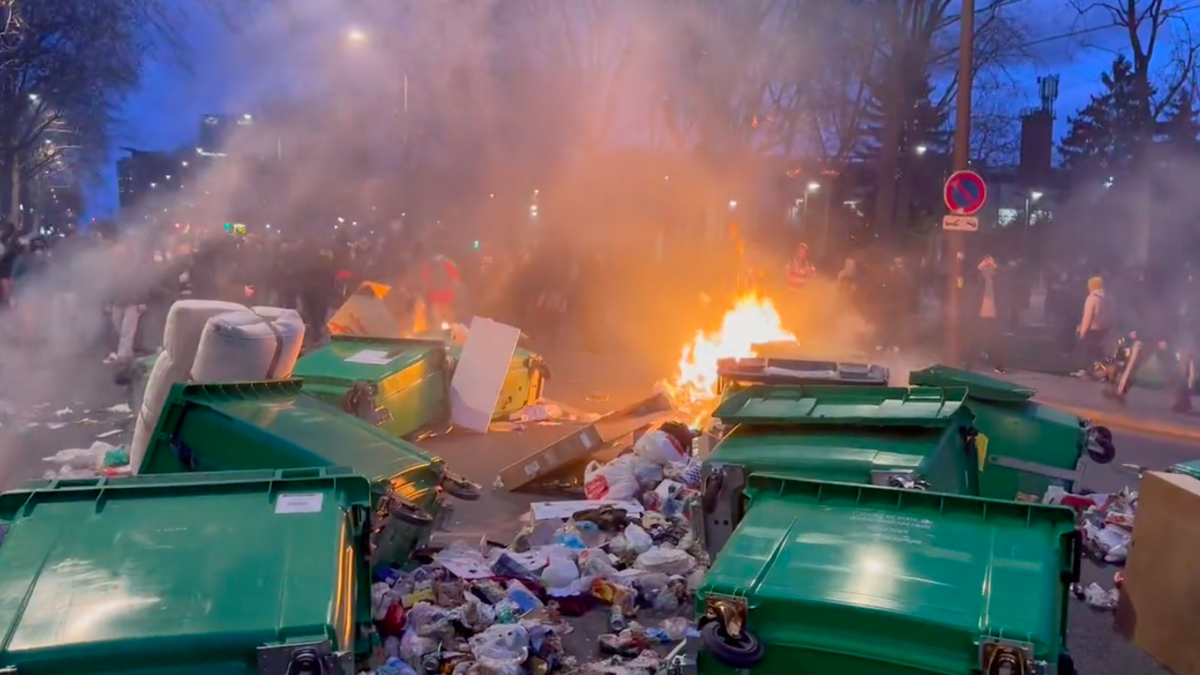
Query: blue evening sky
{"points": [[231, 72]]}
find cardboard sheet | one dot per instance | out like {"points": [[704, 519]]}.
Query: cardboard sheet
{"points": [[480, 373], [1159, 608]]}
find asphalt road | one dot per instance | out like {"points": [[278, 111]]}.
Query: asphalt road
{"points": [[32, 429]]}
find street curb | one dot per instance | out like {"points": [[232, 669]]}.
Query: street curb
{"points": [[1126, 422]]}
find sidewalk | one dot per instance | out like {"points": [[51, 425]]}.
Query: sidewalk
{"points": [[1145, 411]]}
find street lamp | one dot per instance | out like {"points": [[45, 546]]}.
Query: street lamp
{"points": [[813, 186], [358, 36], [1029, 201], [922, 149]]}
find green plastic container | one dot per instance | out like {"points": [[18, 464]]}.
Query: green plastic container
{"points": [[524, 384], [869, 434], [858, 579], [1025, 446], [401, 386], [1191, 468], [272, 425], [200, 574]]}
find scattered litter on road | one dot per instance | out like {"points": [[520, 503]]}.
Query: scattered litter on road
{"points": [[1106, 520], [629, 558], [63, 411], [1096, 595], [121, 408], [99, 459], [56, 425], [106, 434]]}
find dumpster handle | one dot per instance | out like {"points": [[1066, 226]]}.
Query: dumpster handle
{"points": [[184, 454], [1074, 539]]}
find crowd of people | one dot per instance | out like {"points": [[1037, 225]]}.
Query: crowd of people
{"points": [[1110, 321]]}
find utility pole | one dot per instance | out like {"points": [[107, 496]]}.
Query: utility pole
{"points": [[962, 156]]}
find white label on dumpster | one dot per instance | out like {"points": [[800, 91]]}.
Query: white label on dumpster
{"points": [[299, 503], [372, 357]]}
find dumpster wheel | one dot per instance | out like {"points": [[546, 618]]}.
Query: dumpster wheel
{"points": [[1101, 449], [744, 651], [460, 488], [410, 514]]}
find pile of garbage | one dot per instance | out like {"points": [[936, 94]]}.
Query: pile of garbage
{"points": [[505, 611], [1106, 521]]}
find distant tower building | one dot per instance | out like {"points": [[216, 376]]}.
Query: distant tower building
{"points": [[1037, 136]]}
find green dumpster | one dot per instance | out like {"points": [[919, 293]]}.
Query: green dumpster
{"points": [[895, 436], [1025, 446], [524, 384], [236, 573], [272, 425], [401, 386], [840, 578]]}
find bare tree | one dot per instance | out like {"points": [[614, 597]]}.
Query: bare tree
{"points": [[918, 37], [1147, 24], [1158, 82], [740, 79], [995, 122], [65, 66]]}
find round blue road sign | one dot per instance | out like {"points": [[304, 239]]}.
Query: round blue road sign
{"points": [[965, 193]]}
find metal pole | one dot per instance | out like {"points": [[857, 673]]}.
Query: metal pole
{"points": [[405, 92], [962, 142]]}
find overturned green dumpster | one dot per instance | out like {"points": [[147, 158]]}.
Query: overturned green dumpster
{"points": [[401, 386], [1024, 446], [888, 436], [523, 385], [272, 425], [237, 573], [830, 577]]}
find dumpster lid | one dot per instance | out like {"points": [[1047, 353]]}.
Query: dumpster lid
{"points": [[800, 371], [980, 386], [177, 573], [834, 404], [905, 577], [349, 358], [278, 413]]}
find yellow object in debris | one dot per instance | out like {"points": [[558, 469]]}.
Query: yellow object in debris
{"points": [[981, 442], [364, 314]]}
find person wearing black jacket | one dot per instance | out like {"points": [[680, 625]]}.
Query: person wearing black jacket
{"points": [[10, 251]]}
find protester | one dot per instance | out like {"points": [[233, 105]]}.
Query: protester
{"points": [[1093, 327], [985, 338], [10, 252], [442, 282], [799, 271]]}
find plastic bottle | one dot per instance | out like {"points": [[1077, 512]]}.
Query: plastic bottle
{"points": [[523, 597]]}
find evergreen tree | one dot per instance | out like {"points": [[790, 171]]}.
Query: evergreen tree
{"points": [[1180, 127], [1108, 133]]}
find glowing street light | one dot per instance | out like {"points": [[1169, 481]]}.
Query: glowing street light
{"points": [[814, 186], [1035, 195], [356, 35], [733, 203], [922, 149]]}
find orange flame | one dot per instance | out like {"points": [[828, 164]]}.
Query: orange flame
{"points": [[753, 320]]}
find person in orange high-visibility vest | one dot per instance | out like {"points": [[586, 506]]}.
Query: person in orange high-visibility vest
{"points": [[441, 281], [799, 271]]}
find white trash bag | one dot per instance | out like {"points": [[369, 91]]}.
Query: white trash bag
{"points": [[615, 480]]}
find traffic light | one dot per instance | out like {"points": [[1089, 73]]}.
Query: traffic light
{"points": [[228, 226], [476, 243]]}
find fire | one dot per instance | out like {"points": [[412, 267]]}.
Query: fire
{"points": [[752, 320]]}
